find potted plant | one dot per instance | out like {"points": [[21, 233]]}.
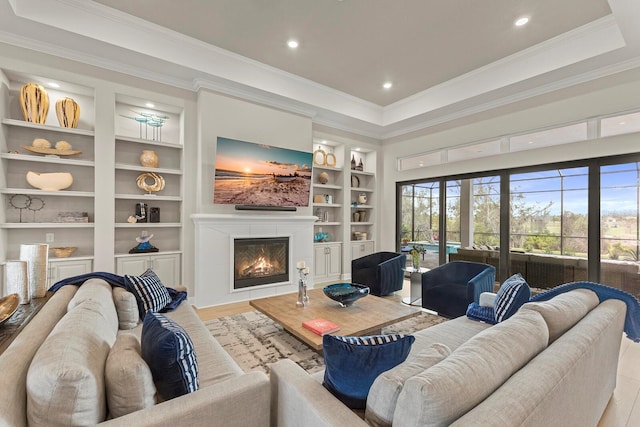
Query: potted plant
{"points": [[415, 256]]}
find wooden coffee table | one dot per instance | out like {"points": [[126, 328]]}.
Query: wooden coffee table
{"points": [[367, 316]]}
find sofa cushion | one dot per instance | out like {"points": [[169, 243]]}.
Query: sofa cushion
{"points": [[383, 395], [447, 390], [565, 310], [512, 294], [169, 352], [149, 291], [97, 290], [353, 363], [128, 379], [65, 381], [126, 307]]}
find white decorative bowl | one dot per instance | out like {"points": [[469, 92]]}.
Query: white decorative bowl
{"points": [[50, 181]]}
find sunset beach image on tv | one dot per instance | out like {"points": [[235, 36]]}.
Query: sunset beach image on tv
{"points": [[261, 175]]}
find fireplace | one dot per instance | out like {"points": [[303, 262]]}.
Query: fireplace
{"points": [[260, 261]]}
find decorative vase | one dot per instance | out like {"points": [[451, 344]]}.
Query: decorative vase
{"points": [[362, 199], [37, 258], [34, 102], [415, 260], [17, 280], [353, 162], [68, 112], [149, 159]]}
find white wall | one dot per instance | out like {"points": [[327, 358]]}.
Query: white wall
{"points": [[601, 97], [220, 115]]}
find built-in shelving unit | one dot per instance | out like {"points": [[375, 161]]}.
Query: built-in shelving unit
{"points": [[343, 200], [29, 224], [121, 141]]}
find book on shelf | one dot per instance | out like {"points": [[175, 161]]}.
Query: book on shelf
{"points": [[320, 326]]}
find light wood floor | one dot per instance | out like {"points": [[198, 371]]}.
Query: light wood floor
{"points": [[623, 409]]}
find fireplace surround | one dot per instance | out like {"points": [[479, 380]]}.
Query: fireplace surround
{"points": [[214, 254]]}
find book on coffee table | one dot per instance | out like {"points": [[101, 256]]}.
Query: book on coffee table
{"points": [[320, 326]]}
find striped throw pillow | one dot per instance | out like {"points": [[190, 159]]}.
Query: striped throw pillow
{"points": [[513, 293], [169, 352], [150, 293]]}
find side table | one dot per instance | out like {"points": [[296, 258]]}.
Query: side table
{"points": [[10, 329], [415, 291]]}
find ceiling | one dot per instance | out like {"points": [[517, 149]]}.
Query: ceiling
{"points": [[446, 59]]}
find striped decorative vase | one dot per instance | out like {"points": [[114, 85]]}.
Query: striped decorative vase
{"points": [[37, 257], [68, 112], [34, 102]]}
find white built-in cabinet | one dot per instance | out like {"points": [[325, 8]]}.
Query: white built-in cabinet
{"points": [[343, 199], [327, 262], [165, 265], [104, 174], [61, 268]]}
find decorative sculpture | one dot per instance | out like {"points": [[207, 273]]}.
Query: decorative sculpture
{"points": [[34, 102], [68, 112], [143, 244]]}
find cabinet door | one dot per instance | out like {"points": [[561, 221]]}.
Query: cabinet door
{"points": [[319, 262], [334, 260], [360, 249], [62, 269], [133, 266], [167, 268]]}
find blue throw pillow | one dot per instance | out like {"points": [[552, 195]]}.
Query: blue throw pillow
{"points": [[512, 294], [150, 293], [169, 352], [353, 363]]}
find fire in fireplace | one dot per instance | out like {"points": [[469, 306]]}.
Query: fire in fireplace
{"points": [[260, 261]]}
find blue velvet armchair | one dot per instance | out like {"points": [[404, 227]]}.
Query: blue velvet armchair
{"points": [[450, 288], [381, 272]]}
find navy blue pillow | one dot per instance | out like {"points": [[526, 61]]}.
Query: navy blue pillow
{"points": [[169, 352], [512, 294], [353, 363], [149, 291]]}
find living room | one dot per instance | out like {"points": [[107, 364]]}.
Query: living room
{"points": [[208, 99]]}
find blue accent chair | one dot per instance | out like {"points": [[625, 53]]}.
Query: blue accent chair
{"points": [[381, 272], [449, 288]]}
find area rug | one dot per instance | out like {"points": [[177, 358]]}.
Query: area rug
{"points": [[255, 341]]}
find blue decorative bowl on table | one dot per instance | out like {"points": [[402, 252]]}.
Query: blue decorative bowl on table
{"points": [[346, 293]]}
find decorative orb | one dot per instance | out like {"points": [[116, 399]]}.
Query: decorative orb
{"points": [[323, 178], [346, 293], [41, 143], [63, 145], [50, 181]]}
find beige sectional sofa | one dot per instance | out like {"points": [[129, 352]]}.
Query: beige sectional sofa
{"points": [[553, 363], [224, 395]]}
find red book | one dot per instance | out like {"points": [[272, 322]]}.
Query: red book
{"points": [[320, 326]]}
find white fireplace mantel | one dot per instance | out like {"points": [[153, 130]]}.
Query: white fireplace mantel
{"points": [[214, 236]]}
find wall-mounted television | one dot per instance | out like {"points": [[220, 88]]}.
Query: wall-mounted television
{"points": [[259, 175]]}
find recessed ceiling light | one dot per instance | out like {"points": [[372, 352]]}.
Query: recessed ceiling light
{"points": [[292, 44], [149, 105], [53, 85], [387, 85], [357, 149], [521, 21], [622, 123]]}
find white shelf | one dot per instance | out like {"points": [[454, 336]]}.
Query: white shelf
{"points": [[148, 225], [145, 254], [69, 131], [35, 192], [362, 189], [361, 223], [29, 225], [45, 159], [138, 168], [70, 258], [363, 173], [328, 186], [148, 197], [361, 207], [328, 168], [320, 223], [149, 142]]}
